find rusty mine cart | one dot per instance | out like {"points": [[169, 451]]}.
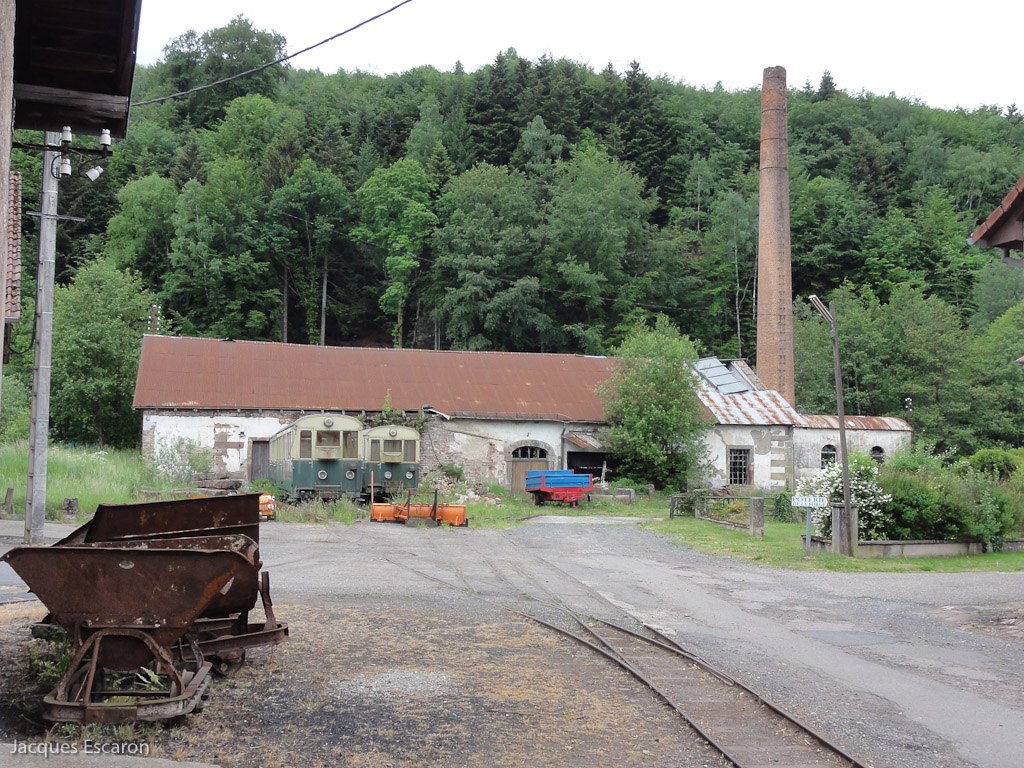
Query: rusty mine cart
{"points": [[154, 597]]}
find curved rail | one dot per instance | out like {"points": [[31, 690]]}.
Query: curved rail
{"points": [[747, 730]]}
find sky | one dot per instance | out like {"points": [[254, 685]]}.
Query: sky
{"points": [[938, 52]]}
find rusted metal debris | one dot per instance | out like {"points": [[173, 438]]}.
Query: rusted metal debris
{"points": [[157, 592]]}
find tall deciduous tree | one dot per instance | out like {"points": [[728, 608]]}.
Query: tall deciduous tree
{"points": [[657, 422], [98, 322], [192, 60], [308, 222], [396, 216]]}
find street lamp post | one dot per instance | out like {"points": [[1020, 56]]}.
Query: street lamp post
{"points": [[847, 538]]}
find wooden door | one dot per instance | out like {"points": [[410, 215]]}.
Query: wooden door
{"points": [[259, 464], [517, 469]]}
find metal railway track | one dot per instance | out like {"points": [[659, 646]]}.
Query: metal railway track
{"points": [[748, 730]]}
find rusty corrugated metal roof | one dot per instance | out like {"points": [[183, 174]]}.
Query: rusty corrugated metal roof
{"points": [[176, 372], [889, 423], [763, 407], [585, 440]]}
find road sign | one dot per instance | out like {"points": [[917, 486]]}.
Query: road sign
{"points": [[810, 501]]}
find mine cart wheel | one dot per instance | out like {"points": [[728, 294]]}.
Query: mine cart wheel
{"points": [[227, 668]]}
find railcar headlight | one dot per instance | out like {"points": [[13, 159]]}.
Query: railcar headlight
{"points": [[350, 475], [408, 475], [322, 474], [387, 475]]}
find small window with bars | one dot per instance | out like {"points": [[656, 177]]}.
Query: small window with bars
{"points": [[740, 469], [529, 452], [828, 455]]}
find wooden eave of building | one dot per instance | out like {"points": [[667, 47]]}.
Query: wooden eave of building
{"points": [[74, 61], [1004, 227]]}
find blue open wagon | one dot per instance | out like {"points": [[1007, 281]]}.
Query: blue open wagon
{"points": [[557, 485]]}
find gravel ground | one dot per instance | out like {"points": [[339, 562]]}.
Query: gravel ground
{"points": [[387, 667]]}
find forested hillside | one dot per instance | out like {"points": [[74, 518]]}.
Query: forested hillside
{"points": [[545, 206]]}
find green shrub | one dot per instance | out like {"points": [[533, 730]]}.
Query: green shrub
{"points": [[179, 459], [933, 498], [454, 471], [783, 507], [995, 462]]}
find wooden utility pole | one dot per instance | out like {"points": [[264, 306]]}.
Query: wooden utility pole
{"points": [[39, 430]]}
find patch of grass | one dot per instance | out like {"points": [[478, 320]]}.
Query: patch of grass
{"points": [[92, 476], [782, 547], [317, 511]]}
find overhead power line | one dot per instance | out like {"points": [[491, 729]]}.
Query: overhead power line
{"points": [[269, 64]]}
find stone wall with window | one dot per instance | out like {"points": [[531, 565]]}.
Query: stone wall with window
{"points": [[742, 456], [812, 446]]}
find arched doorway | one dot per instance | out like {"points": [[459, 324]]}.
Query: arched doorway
{"points": [[525, 456]]}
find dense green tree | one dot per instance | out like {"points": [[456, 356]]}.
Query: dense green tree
{"points": [[484, 252], [594, 228], [216, 283], [396, 217], [650, 400], [309, 219], [98, 322], [193, 60], [139, 236]]}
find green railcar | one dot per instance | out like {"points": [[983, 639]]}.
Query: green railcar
{"points": [[392, 459], [318, 456]]}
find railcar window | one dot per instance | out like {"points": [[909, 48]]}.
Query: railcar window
{"points": [[410, 452], [739, 466], [350, 445], [375, 450], [392, 446], [306, 444], [328, 438]]}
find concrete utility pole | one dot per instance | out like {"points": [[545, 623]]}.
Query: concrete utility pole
{"points": [[846, 535], [39, 430]]}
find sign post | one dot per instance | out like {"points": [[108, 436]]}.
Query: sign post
{"points": [[810, 502]]}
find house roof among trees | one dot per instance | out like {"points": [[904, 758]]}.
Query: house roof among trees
{"points": [[1004, 227], [194, 373]]}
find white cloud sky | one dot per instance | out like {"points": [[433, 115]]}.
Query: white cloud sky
{"points": [[937, 52]]}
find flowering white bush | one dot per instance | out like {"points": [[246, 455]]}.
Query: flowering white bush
{"points": [[865, 493]]}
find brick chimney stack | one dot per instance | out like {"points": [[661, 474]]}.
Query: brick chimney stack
{"points": [[774, 277]]}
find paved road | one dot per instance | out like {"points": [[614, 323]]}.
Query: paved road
{"points": [[878, 661]]}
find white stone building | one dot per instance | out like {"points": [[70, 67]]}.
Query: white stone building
{"points": [[494, 414]]}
